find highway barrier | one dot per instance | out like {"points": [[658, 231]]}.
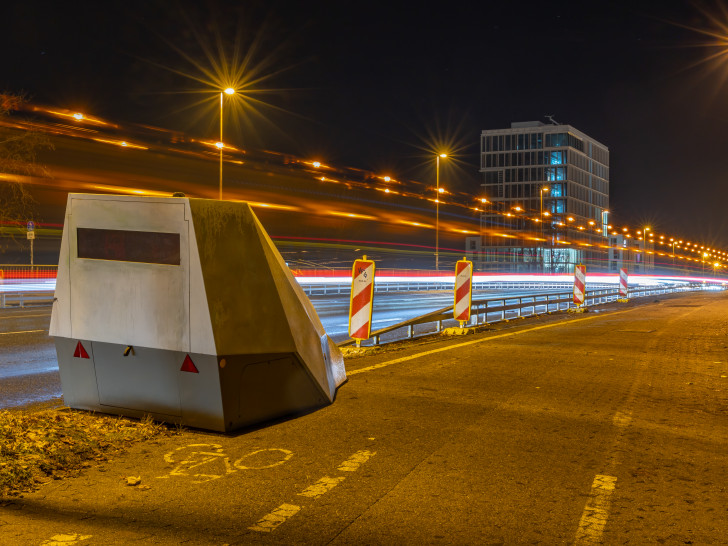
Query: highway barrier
{"points": [[498, 309], [25, 299]]}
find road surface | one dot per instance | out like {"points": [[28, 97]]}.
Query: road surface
{"points": [[29, 370], [606, 427]]}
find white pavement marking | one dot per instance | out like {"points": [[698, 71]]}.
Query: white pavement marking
{"points": [[281, 514], [355, 461], [482, 340], [596, 511], [21, 332], [622, 419], [322, 486], [270, 521], [65, 540]]}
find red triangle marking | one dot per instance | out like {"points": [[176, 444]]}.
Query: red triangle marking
{"points": [[188, 366], [80, 352]]}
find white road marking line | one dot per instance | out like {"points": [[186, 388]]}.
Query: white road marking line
{"points": [[65, 540], [270, 521], [596, 511], [355, 461], [473, 342], [322, 486], [281, 514], [622, 419], [21, 332]]}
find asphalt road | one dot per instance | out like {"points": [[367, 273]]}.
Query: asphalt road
{"points": [[28, 366], [603, 427], [29, 369]]}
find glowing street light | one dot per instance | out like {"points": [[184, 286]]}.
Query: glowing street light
{"points": [[544, 189], [437, 213], [221, 145], [644, 241]]}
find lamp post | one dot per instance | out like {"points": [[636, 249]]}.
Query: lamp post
{"points": [[540, 195], [644, 241], [437, 212], [228, 91]]}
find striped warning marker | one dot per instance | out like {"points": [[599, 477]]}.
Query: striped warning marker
{"points": [[623, 283], [579, 284], [362, 294], [463, 290]]}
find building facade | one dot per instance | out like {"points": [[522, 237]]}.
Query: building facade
{"points": [[548, 192]]}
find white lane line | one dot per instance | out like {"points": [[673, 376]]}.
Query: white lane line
{"points": [[284, 512], [622, 419], [324, 485], [22, 332], [483, 340], [271, 521], [65, 540], [355, 461], [596, 511]]}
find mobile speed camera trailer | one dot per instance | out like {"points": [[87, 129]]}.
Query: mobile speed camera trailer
{"points": [[183, 309]]}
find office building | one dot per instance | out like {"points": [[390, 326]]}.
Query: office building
{"points": [[548, 192]]}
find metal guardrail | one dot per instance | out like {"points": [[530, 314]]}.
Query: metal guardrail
{"points": [[424, 285], [511, 307], [24, 299]]}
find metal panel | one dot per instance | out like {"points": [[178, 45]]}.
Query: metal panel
{"points": [[127, 302], [78, 377], [145, 380]]}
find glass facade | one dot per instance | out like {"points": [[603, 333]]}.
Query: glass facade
{"points": [[517, 163], [542, 168]]}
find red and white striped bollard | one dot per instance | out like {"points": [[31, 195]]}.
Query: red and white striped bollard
{"points": [[463, 290], [360, 304], [579, 285]]}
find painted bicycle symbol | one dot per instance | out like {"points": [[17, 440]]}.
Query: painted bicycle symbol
{"points": [[207, 462]]}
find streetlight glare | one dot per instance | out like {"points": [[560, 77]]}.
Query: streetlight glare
{"points": [[441, 190], [230, 91], [219, 145], [443, 155], [78, 116]]}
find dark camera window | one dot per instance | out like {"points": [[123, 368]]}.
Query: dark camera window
{"points": [[128, 246]]}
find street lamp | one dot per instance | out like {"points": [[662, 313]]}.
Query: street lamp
{"points": [[644, 241], [540, 195], [221, 145], [437, 213]]}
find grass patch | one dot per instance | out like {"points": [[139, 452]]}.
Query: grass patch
{"points": [[37, 447]]}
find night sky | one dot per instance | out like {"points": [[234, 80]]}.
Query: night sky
{"points": [[376, 85]]}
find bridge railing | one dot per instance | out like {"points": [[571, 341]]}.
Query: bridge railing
{"points": [[499, 309], [25, 299]]}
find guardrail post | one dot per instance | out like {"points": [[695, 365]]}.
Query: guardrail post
{"points": [[439, 326], [411, 331]]}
